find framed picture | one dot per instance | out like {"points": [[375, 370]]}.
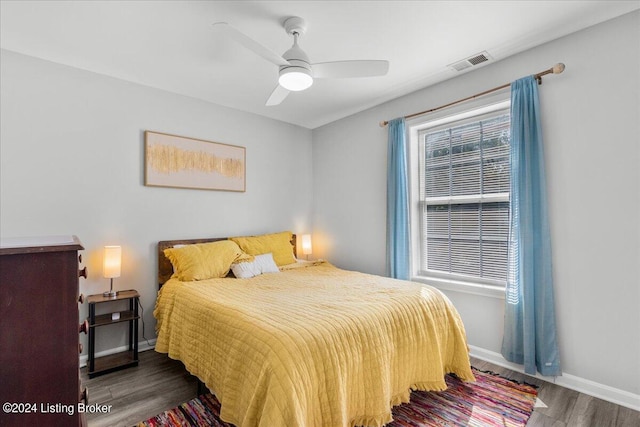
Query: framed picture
{"points": [[181, 162]]}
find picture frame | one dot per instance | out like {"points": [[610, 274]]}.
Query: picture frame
{"points": [[183, 162]]}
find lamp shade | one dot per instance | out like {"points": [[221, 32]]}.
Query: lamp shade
{"points": [[111, 261], [306, 244]]}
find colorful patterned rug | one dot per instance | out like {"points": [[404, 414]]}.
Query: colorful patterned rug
{"points": [[490, 401]]}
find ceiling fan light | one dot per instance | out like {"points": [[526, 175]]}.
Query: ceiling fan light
{"points": [[295, 78]]}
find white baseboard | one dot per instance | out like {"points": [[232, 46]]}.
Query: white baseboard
{"points": [[142, 346], [592, 388]]}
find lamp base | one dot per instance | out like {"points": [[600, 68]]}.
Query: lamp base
{"points": [[110, 294]]}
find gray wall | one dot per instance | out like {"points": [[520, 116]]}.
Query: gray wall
{"points": [[72, 156], [591, 117]]}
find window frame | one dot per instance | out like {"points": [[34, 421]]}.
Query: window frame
{"points": [[470, 112]]}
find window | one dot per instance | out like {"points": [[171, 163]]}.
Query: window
{"points": [[464, 197]]}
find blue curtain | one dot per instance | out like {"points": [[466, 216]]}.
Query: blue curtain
{"points": [[397, 202], [530, 326]]}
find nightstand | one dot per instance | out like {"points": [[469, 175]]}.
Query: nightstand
{"points": [[121, 360]]}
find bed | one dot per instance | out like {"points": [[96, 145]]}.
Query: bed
{"points": [[309, 344]]}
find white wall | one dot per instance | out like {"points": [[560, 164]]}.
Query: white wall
{"points": [[72, 152], [591, 116]]}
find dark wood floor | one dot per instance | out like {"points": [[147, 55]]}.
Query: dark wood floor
{"points": [[566, 407], [160, 383]]}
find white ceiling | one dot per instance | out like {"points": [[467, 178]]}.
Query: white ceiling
{"points": [[170, 45]]}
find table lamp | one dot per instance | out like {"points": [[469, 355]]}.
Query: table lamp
{"points": [[111, 267], [306, 245]]}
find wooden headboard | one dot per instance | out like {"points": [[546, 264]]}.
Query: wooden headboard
{"points": [[165, 269]]}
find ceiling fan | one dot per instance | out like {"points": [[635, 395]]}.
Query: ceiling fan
{"points": [[296, 72]]}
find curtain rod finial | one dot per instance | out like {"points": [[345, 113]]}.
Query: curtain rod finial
{"points": [[558, 68], [383, 123]]}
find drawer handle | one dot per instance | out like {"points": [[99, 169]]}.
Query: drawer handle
{"points": [[79, 257], [80, 348], [84, 396], [82, 273], [81, 298], [84, 327]]}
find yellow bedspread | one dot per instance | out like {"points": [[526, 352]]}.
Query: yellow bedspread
{"points": [[312, 346]]}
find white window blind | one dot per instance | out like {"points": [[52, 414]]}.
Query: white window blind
{"points": [[464, 197]]}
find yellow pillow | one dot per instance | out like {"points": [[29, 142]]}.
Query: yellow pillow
{"points": [[203, 260], [278, 244]]}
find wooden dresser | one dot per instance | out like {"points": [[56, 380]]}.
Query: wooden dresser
{"points": [[39, 343]]}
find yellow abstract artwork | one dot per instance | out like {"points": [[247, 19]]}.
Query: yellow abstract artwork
{"points": [[176, 161]]}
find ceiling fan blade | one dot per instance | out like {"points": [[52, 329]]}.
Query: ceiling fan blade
{"points": [[344, 69], [277, 96], [249, 43]]}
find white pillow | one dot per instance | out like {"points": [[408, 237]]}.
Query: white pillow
{"points": [[261, 264]]}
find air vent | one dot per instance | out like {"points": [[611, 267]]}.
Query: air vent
{"points": [[471, 61]]}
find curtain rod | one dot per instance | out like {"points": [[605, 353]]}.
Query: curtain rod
{"points": [[556, 69]]}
